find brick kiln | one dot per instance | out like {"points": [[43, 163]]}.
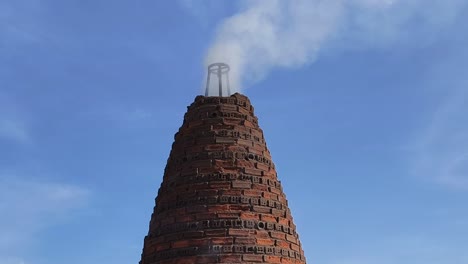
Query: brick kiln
{"points": [[220, 200]]}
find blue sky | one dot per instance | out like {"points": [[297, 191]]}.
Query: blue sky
{"points": [[369, 135]]}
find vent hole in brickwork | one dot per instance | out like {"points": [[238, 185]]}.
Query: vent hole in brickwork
{"points": [[214, 115], [261, 225]]}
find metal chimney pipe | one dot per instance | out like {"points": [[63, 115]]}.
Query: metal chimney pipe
{"points": [[219, 69]]}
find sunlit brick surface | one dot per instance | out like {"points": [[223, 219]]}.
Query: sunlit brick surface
{"points": [[220, 200]]}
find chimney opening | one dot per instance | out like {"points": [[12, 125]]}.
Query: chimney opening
{"points": [[221, 72]]}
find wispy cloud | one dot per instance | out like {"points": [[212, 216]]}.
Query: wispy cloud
{"points": [[119, 114], [195, 8], [11, 260], [136, 114], [13, 129], [13, 126], [20, 22], [442, 152], [203, 11], [27, 206]]}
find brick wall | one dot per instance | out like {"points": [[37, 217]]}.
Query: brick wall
{"points": [[220, 200]]}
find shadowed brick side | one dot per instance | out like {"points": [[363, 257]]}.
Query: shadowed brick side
{"points": [[220, 200]]}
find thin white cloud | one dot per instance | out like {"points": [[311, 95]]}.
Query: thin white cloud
{"points": [[13, 129], [442, 152], [27, 207], [11, 260], [119, 114], [195, 8], [20, 22], [202, 10], [137, 114], [13, 125]]}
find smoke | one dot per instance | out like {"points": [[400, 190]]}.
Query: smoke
{"points": [[266, 34]]}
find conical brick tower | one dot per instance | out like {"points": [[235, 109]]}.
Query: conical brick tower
{"points": [[220, 200]]}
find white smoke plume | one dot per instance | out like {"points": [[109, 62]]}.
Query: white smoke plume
{"points": [[290, 33]]}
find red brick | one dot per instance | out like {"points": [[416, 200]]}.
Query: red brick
{"points": [[277, 212], [291, 238], [197, 209], [239, 207], [190, 243], [241, 184], [252, 258], [252, 193], [222, 240], [282, 243], [260, 187], [232, 192], [250, 216], [185, 260], [272, 259], [185, 218], [230, 258], [228, 215], [295, 247], [253, 172], [192, 234], [262, 234], [269, 195], [261, 209], [268, 218], [168, 220], [275, 190], [262, 166], [288, 261], [163, 246], [206, 216], [239, 232], [283, 221], [215, 125], [205, 259], [214, 147], [245, 164], [277, 235], [209, 192], [218, 208], [181, 244], [245, 240], [215, 232], [265, 242], [220, 185]]}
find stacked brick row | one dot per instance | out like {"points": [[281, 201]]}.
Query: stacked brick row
{"points": [[220, 200]]}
